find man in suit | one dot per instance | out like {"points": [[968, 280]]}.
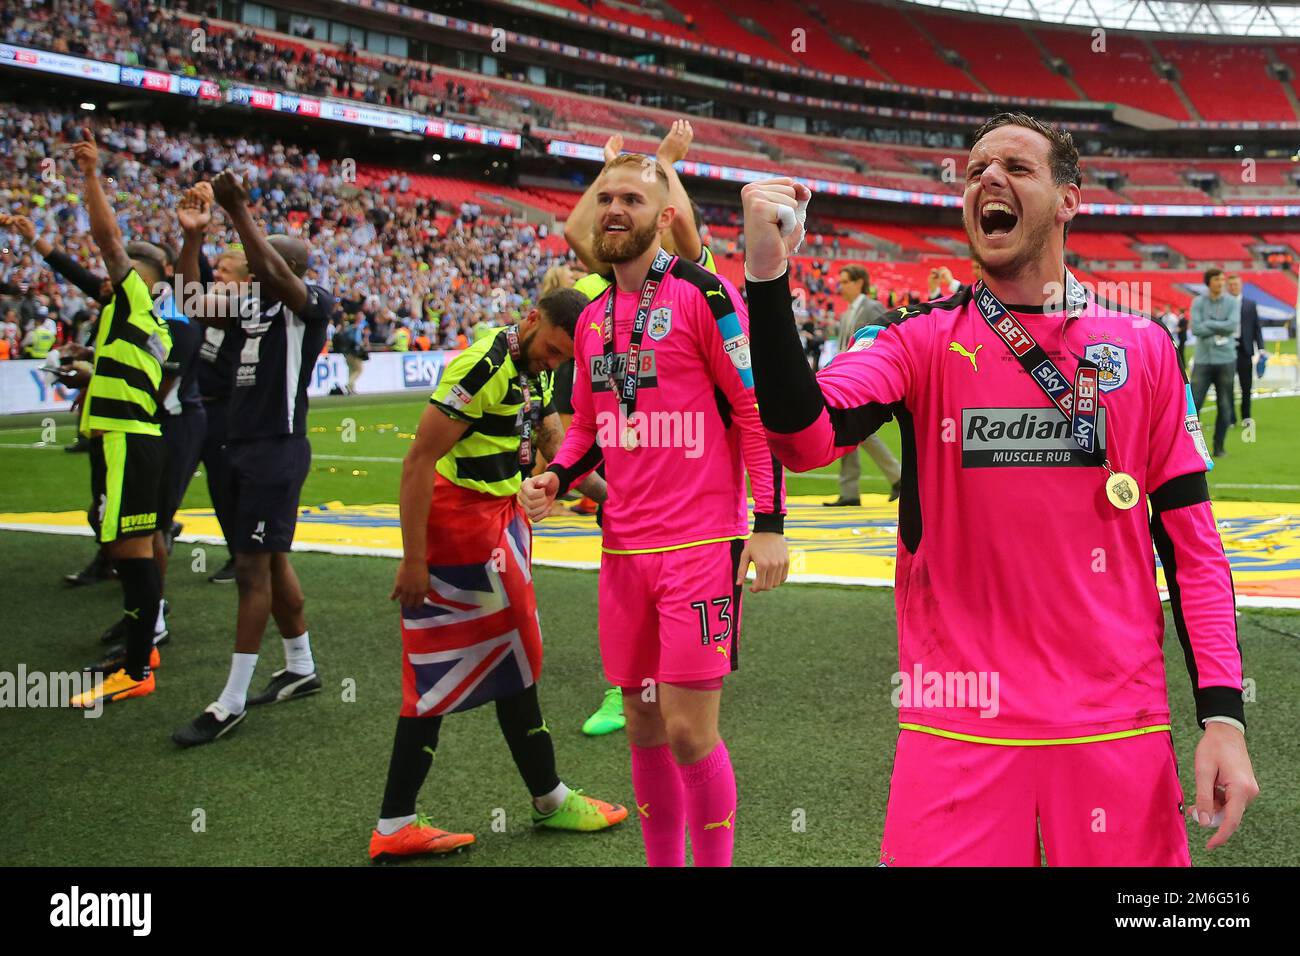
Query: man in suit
{"points": [[1216, 323], [1249, 343], [863, 310]]}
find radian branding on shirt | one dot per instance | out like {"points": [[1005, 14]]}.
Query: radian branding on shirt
{"points": [[1022, 437]]}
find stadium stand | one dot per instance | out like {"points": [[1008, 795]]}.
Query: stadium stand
{"points": [[996, 55], [908, 46], [899, 50], [1227, 81], [790, 25], [1124, 75], [716, 21]]}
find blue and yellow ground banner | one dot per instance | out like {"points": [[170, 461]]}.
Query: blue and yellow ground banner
{"points": [[852, 546]]}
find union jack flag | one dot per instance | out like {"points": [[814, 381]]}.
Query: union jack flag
{"points": [[477, 636]]}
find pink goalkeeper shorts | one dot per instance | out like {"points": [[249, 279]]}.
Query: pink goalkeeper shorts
{"points": [[670, 616], [1109, 803]]}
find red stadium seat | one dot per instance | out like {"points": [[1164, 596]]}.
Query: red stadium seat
{"points": [[898, 49], [999, 54], [1125, 72], [1227, 81]]}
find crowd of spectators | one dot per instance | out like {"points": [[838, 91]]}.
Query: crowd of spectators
{"points": [[139, 33], [392, 264]]}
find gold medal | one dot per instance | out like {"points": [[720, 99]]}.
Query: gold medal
{"points": [[629, 439], [1122, 490]]}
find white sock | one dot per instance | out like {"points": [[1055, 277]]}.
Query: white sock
{"points": [[390, 825], [235, 696], [297, 654], [550, 802], [160, 625]]}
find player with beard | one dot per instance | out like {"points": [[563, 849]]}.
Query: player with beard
{"points": [[470, 630], [278, 335], [682, 238], [667, 344], [1032, 706]]}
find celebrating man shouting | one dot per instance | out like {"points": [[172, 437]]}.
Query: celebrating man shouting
{"points": [[1034, 421]]}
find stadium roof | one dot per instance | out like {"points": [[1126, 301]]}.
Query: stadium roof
{"points": [[1226, 19]]}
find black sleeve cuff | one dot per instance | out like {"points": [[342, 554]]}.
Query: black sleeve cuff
{"points": [[789, 398], [565, 476], [1180, 492], [1219, 702], [769, 523]]}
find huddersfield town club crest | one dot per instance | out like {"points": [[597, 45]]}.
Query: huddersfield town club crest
{"points": [[1112, 365], [661, 321]]}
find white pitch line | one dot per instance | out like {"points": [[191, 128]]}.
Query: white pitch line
{"points": [[390, 461], [1225, 484]]}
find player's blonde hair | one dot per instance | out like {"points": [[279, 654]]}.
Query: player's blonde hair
{"points": [[643, 164]]}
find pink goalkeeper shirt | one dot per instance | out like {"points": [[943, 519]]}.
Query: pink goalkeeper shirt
{"points": [[696, 421], [1019, 585]]}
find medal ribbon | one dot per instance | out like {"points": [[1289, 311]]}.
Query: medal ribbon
{"points": [[531, 412], [626, 392], [1078, 404]]}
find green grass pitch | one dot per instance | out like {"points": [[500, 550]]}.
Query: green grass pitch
{"points": [[808, 718]]}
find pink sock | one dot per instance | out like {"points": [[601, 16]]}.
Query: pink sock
{"points": [[660, 804], [711, 807]]}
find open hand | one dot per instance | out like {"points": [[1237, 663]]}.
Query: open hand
{"points": [[676, 142], [613, 146]]}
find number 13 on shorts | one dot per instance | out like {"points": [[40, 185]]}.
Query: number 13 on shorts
{"points": [[715, 627]]}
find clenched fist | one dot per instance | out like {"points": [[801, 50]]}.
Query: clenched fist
{"points": [[536, 494], [229, 190], [774, 215]]}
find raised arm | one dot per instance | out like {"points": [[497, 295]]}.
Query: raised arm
{"points": [[215, 308], [582, 218], [263, 261], [685, 230], [810, 420], [103, 224], [58, 260]]}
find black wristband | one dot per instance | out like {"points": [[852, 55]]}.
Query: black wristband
{"points": [[1219, 702]]}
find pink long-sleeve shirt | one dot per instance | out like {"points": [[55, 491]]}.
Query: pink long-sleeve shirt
{"points": [[1014, 569], [697, 423]]}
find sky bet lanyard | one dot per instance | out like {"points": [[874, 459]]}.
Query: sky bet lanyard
{"points": [[1078, 404], [631, 379], [530, 412]]}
